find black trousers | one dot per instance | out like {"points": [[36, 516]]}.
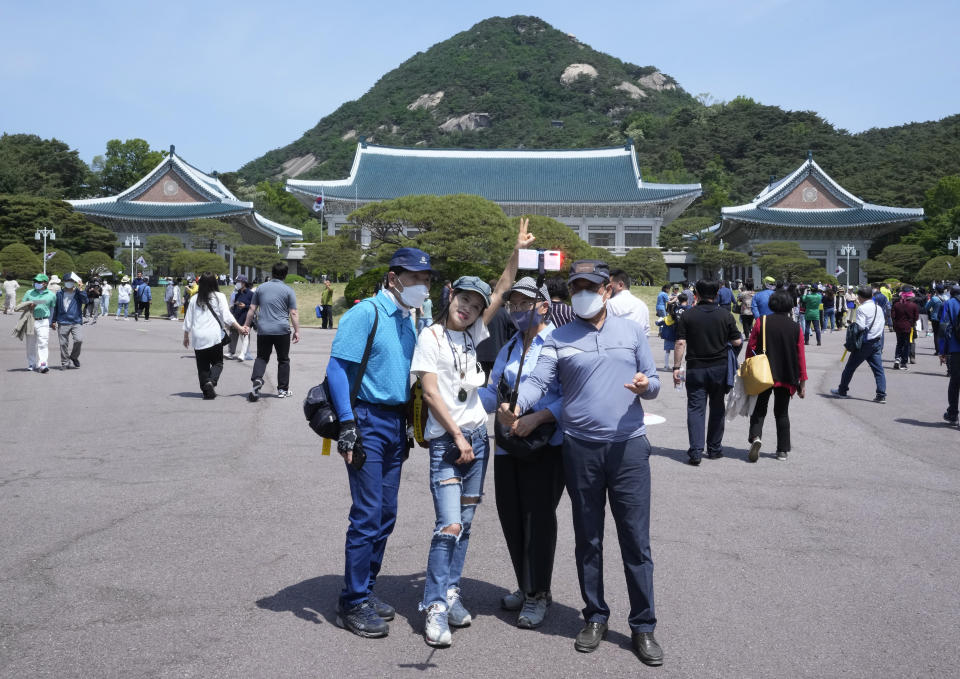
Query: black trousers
{"points": [[528, 492], [327, 322], [209, 364], [706, 385], [781, 406], [265, 344], [902, 353], [746, 320], [595, 470]]}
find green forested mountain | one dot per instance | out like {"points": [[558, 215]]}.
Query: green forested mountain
{"points": [[511, 69]]}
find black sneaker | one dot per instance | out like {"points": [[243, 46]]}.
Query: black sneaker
{"points": [[382, 608], [209, 392], [880, 398], [362, 620], [694, 460], [76, 362], [952, 421], [254, 394]]}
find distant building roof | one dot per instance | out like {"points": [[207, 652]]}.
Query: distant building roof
{"points": [[185, 193], [809, 197], [588, 176]]}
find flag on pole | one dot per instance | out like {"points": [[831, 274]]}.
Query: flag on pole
{"points": [[318, 203], [141, 261], [840, 270], [50, 256]]}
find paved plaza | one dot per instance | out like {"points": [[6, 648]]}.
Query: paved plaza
{"points": [[149, 533]]}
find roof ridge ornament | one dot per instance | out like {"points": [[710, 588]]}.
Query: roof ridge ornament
{"points": [[172, 149], [809, 154]]}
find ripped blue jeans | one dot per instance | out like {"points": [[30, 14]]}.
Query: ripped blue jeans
{"points": [[456, 492]]}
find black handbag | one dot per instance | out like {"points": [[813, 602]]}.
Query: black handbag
{"points": [[520, 447], [318, 407], [855, 334]]}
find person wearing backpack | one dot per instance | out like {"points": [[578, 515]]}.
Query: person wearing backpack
{"points": [[871, 322], [949, 350]]}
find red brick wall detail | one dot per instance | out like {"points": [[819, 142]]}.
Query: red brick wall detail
{"points": [[184, 194], [825, 199]]}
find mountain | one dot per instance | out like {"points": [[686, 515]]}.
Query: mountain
{"points": [[501, 84], [510, 82]]}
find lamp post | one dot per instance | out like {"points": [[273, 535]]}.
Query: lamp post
{"points": [[44, 234], [848, 250], [132, 241]]}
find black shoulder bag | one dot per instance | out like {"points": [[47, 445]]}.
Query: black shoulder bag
{"points": [[225, 340], [525, 447], [318, 407]]}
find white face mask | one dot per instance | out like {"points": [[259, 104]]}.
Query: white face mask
{"points": [[587, 304], [69, 285], [413, 296]]}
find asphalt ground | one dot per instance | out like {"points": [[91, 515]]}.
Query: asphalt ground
{"points": [[149, 533]]}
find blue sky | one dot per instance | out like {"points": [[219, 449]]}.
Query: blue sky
{"points": [[227, 81]]}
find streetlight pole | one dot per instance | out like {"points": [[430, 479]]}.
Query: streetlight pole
{"points": [[45, 233], [132, 241], [848, 250]]}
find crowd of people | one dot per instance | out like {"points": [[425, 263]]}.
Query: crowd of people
{"points": [[565, 371]]}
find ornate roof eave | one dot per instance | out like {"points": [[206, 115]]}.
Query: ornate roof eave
{"points": [[775, 191]]}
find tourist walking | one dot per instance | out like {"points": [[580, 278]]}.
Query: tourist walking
{"points": [[745, 299], [377, 422], [605, 448], [447, 364], [904, 316], [932, 308], [872, 322], [10, 287], [67, 320], [326, 305], [850, 301], [170, 298], [277, 305], [242, 299], [829, 310], [704, 334], [779, 338], [105, 291], [811, 301], [205, 324], [529, 480], [93, 300], [124, 293], [760, 303], [38, 303], [144, 297], [623, 303], [949, 351]]}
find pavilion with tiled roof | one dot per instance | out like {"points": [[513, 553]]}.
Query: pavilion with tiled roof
{"points": [[808, 207], [172, 195], [598, 193]]}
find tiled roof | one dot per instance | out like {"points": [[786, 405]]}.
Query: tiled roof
{"points": [[515, 176], [140, 210], [858, 213], [865, 215], [220, 202]]}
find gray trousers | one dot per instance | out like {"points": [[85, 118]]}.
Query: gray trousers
{"points": [[64, 332]]}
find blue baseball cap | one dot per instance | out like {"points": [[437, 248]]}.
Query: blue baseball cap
{"points": [[411, 259], [592, 270]]}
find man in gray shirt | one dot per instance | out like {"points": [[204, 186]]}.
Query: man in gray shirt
{"points": [[605, 448], [277, 304]]}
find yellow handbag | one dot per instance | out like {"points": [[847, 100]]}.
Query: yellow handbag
{"points": [[755, 371]]}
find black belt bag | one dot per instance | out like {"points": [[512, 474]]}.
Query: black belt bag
{"points": [[521, 447]]}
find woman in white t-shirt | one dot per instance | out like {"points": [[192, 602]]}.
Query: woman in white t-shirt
{"points": [[446, 361], [204, 325]]}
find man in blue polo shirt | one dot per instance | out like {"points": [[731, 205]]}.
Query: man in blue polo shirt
{"points": [[377, 425], [760, 306], [604, 366]]}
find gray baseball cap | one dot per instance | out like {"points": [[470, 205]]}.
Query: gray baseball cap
{"points": [[527, 287]]}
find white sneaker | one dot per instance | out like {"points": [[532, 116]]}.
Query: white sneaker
{"points": [[457, 615], [436, 631], [284, 393]]}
